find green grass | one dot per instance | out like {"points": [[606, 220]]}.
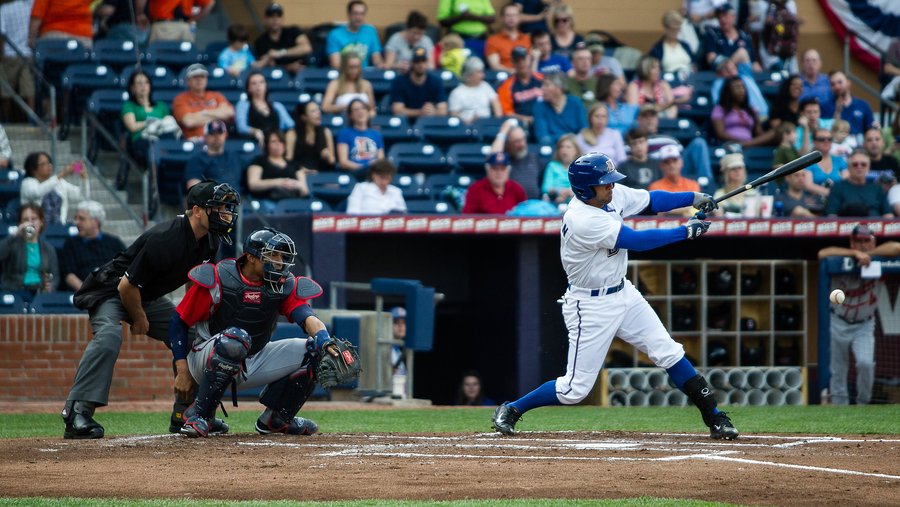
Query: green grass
{"points": [[828, 420], [102, 502]]}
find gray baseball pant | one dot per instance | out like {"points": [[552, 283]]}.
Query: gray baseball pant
{"points": [[860, 338]]}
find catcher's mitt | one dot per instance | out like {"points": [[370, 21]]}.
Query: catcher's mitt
{"points": [[338, 364]]}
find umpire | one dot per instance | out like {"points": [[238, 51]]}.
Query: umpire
{"points": [[132, 288]]}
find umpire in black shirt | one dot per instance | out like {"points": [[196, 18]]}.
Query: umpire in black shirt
{"points": [[132, 288]]}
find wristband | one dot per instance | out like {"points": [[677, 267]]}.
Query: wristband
{"points": [[322, 337]]}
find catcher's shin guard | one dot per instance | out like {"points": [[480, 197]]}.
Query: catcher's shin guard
{"points": [[285, 396], [701, 394], [222, 366]]}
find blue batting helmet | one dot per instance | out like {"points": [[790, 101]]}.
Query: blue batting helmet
{"points": [[589, 170]]}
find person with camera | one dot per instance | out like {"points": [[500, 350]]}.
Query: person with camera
{"points": [[27, 261]]}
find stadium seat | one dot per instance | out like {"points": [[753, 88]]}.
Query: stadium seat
{"points": [[758, 160], [10, 184], [469, 158], [161, 77], [173, 54], [445, 130], [218, 80], [331, 187], [381, 79], [438, 183], [276, 79], [79, 81], [290, 98], [450, 80], [412, 188], [212, 50], [11, 211], [315, 80], [418, 157], [489, 127], [53, 302], [52, 56], [171, 157], [234, 95], [698, 109], [428, 206], [395, 129], [333, 121], [246, 150], [56, 234], [300, 205], [12, 303], [495, 77], [107, 103], [117, 53], [683, 129]]}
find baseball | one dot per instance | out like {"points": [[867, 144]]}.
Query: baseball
{"points": [[837, 296]]}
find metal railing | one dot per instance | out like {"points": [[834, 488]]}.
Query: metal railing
{"points": [[884, 106]]}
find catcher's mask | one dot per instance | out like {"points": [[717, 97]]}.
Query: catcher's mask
{"points": [[210, 195], [276, 251]]}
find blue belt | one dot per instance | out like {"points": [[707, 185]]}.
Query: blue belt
{"points": [[578, 291]]}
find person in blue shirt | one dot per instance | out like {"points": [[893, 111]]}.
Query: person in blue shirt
{"points": [[358, 145], [356, 36], [559, 113], [855, 111], [815, 83], [418, 93], [471, 392], [237, 57], [545, 60], [728, 41]]}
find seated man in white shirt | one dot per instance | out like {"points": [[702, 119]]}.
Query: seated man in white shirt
{"points": [[377, 196]]}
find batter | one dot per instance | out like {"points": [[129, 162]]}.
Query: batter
{"points": [[601, 303]]}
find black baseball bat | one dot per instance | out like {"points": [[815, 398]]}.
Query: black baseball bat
{"points": [[791, 167]]}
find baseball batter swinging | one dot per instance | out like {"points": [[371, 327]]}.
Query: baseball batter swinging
{"points": [[601, 303]]}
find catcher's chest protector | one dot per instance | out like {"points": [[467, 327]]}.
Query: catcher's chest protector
{"points": [[254, 309]]}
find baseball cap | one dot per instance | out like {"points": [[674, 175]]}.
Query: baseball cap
{"points": [[862, 231], [668, 151], [201, 193], [420, 55], [274, 10], [215, 127], [731, 161], [398, 312], [196, 69], [498, 158], [724, 7], [519, 52], [594, 43]]}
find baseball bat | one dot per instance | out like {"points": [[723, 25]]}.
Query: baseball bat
{"points": [[791, 167]]}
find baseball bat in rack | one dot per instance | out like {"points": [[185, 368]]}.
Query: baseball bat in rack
{"points": [[793, 166]]}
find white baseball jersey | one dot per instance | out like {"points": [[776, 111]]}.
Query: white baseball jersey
{"points": [[588, 238]]}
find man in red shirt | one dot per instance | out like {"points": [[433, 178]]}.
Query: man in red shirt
{"points": [[172, 18], [672, 181], [198, 106], [499, 47], [61, 19], [495, 194]]}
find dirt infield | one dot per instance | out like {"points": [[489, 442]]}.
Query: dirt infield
{"points": [[756, 469]]}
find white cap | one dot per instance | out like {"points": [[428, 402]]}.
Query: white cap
{"points": [[669, 151]]}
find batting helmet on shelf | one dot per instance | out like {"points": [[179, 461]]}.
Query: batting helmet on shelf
{"points": [[684, 281], [785, 281], [716, 353], [752, 354], [748, 324], [719, 317], [787, 354], [787, 318], [590, 170], [721, 282], [684, 317], [750, 282]]}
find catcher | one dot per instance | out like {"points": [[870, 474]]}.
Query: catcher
{"points": [[234, 306]]}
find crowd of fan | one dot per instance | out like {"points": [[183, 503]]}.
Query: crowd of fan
{"points": [[565, 89]]}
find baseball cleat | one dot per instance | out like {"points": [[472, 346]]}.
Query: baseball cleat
{"points": [[505, 418], [297, 426], [216, 426], [722, 428], [195, 426]]}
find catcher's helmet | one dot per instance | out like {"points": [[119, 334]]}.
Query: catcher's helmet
{"points": [[277, 253], [751, 281], [590, 170], [208, 195]]}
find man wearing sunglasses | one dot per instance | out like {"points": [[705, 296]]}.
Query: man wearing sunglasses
{"points": [[855, 196], [852, 323]]}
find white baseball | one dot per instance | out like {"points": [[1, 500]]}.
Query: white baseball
{"points": [[837, 296]]}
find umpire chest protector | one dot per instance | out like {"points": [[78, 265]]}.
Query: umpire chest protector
{"points": [[253, 308]]}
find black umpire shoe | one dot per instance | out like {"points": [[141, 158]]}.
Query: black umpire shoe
{"points": [[80, 423], [722, 428], [505, 418]]}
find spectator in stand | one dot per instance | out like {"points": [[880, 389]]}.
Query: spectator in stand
{"points": [[314, 148], [842, 143], [809, 122], [670, 164], [639, 168], [545, 61], [881, 163], [701, 14], [118, 20], [61, 19], [197, 106], [674, 55], [780, 36], [727, 70], [377, 196], [815, 83], [355, 36], [349, 86], [600, 63], [581, 81], [453, 53], [534, 16], [5, 150], [520, 91], [90, 249], [15, 17], [471, 393], [891, 70], [27, 262], [256, 114], [734, 176], [471, 20], [556, 175], [358, 145], [598, 137], [496, 193], [562, 26], [139, 112], [796, 201], [786, 133], [830, 170], [174, 19], [214, 162], [50, 191], [728, 42], [695, 156], [271, 177], [847, 107], [236, 58], [786, 105], [890, 187], [855, 196], [473, 98], [611, 91], [526, 167], [400, 48], [282, 46], [499, 47], [734, 120], [418, 92], [559, 113], [649, 87]]}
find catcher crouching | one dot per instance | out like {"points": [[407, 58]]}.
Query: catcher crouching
{"points": [[234, 306]]}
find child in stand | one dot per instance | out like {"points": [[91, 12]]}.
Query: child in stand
{"points": [[842, 144], [453, 53], [237, 58], [786, 133]]}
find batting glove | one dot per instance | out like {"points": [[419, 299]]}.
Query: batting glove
{"points": [[705, 202], [696, 226]]}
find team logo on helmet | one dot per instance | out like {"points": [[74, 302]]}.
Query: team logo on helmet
{"points": [[276, 251]]}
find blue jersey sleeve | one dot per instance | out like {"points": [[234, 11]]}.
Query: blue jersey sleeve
{"points": [[640, 241], [661, 201]]}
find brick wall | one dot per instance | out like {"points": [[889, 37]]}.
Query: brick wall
{"points": [[39, 355]]}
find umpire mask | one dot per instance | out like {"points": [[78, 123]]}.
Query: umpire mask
{"points": [[223, 195], [276, 251]]}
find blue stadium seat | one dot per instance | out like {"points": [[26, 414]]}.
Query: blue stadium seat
{"points": [[438, 183], [12, 303], [53, 302], [56, 234], [218, 80], [445, 130], [489, 127], [300, 205], [698, 109], [212, 50], [331, 187], [334, 122], [79, 81], [290, 98], [429, 206], [758, 160], [495, 77], [381, 79], [412, 189], [544, 153], [117, 53], [277, 79], [161, 77], [11, 211], [52, 56], [10, 184], [683, 129], [234, 95], [107, 103], [315, 80], [395, 129], [171, 157], [418, 157], [166, 96], [173, 54], [469, 158], [450, 80], [246, 150]]}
